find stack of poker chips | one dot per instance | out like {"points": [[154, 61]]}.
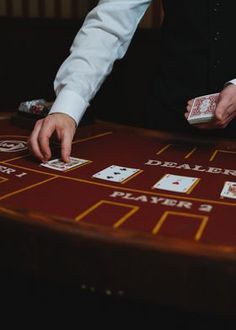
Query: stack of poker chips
{"points": [[29, 112], [35, 108]]}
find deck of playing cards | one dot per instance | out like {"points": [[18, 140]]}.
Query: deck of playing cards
{"points": [[229, 190], [203, 109]]}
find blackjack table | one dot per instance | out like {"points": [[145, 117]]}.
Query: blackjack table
{"points": [[149, 237]]}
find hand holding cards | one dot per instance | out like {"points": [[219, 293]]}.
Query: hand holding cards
{"points": [[203, 109]]}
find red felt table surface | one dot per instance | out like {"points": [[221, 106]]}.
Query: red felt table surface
{"points": [[201, 215], [200, 220]]}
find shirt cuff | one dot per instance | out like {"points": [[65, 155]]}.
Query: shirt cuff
{"points": [[70, 103], [233, 81]]}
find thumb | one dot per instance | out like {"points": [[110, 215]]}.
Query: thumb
{"points": [[221, 107]]}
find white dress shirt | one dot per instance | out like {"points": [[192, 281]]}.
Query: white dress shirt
{"points": [[103, 38]]}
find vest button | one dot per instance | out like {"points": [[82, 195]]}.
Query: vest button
{"points": [[216, 36], [216, 64]]}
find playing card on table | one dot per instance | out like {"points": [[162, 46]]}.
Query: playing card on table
{"points": [[59, 165], [116, 173], [229, 190], [203, 109], [177, 183]]}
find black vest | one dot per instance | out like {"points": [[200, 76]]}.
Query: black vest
{"points": [[198, 53]]}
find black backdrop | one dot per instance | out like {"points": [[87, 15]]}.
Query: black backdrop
{"points": [[32, 50]]}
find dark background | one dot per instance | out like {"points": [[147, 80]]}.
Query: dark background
{"points": [[32, 50]]}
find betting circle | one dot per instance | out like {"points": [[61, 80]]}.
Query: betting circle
{"points": [[12, 145]]}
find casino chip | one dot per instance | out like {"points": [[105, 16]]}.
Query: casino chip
{"points": [[29, 112], [39, 107]]}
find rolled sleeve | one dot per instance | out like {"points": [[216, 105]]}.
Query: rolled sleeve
{"points": [[70, 103], [233, 81]]}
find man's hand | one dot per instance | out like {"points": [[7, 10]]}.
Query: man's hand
{"points": [[225, 109], [61, 124]]}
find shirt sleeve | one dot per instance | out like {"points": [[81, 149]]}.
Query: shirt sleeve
{"points": [[233, 81], [104, 37]]}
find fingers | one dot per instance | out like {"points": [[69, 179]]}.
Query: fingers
{"points": [[39, 141], [66, 142], [225, 110], [33, 143], [189, 105], [215, 124], [188, 108], [44, 135]]}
